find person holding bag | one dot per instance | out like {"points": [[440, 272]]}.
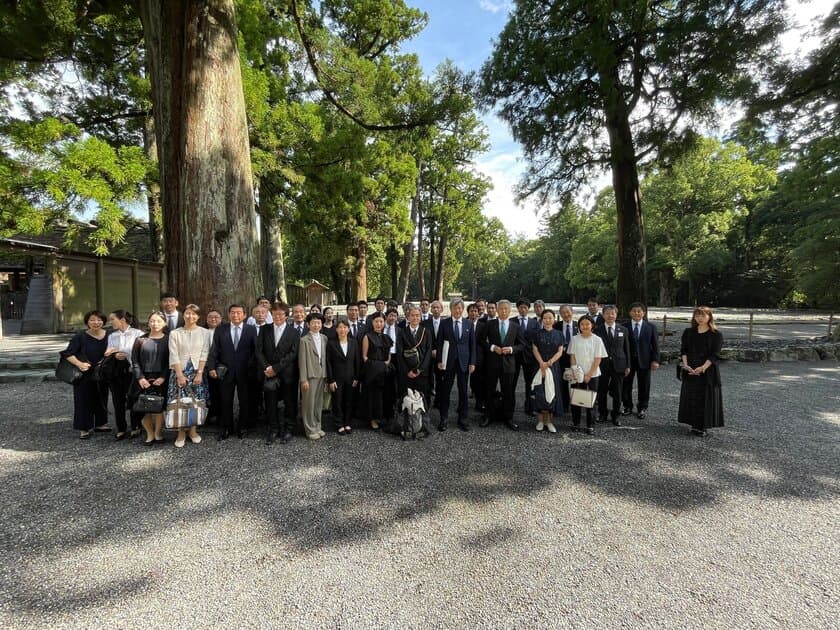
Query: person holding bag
{"points": [[120, 344], [586, 351], [150, 365], [188, 349], [90, 396], [414, 356]]}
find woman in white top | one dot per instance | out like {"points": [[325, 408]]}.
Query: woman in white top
{"points": [[188, 349], [120, 345], [586, 350]]}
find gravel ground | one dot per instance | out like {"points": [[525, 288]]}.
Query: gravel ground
{"points": [[641, 526]]}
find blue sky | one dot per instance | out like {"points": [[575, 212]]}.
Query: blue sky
{"points": [[463, 30]]}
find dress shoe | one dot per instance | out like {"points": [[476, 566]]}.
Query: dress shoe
{"points": [[626, 411], [322, 433], [286, 438], [240, 433], [463, 426], [540, 426], [602, 419], [442, 425], [642, 414], [616, 422], [590, 431], [179, 443], [551, 428], [119, 436], [485, 422], [134, 433], [222, 435], [512, 425], [314, 436], [195, 439], [271, 437]]}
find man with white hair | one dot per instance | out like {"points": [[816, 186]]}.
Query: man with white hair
{"points": [[502, 340], [457, 360]]}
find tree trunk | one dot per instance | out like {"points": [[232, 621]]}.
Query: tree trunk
{"points": [[393, 263], [202, 137], [271, 256], [421, 281], [360, 272], [153, 192], [441, 266], [408, 249], [666, 287], [432, 259], [631, 284]]}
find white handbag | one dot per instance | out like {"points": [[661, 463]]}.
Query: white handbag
{"points": [[583, 398]]}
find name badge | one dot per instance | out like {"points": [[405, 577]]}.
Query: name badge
{"points": [[621, 334]]}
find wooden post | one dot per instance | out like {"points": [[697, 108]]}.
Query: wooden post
{"points": [[749, 338], [830, 324], [53, 272], [664, 327]]}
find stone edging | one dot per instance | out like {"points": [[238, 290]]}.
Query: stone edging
{"points": [[810, 352]]}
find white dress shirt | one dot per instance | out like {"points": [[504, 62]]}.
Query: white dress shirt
{"points": [[279, 329], [391, 331], [124, 341]]}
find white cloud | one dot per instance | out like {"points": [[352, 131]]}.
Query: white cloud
{"points": [[494, 6]]}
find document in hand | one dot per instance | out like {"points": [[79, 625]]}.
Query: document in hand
{"points": [[445, 354]]}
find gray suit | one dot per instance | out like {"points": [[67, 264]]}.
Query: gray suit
{"points": [[313, 369]]}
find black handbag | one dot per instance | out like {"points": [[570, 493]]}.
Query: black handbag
{"points": [[221, 371], [271, 384], [411, 356], [67, 372], [149, 403], [105, 370]]}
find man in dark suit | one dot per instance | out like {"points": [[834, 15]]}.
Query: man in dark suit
{"points": [[169, 306], [568, 328], [432, 325], [357, 326], [615, 367], [525, 361], [644, 357], [592, 310], [502, 340], [234, 346], [459, 332], [277, 352]]}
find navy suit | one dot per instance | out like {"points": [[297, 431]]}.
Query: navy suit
{"points": [[612, 368], [460, 357], [436, 382], [642, 353], [502, 368], [239, 363]]}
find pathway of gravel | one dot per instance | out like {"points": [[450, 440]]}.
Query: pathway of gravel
{"points": [[641, 525]]}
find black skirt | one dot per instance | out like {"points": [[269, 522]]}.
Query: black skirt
{"points": [[701, 403]]}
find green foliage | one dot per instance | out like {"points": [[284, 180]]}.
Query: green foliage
{"points": [[594, 257]]}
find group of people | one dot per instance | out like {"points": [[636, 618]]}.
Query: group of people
{"points": [[359, 366]]}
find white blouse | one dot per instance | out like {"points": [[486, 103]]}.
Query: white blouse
{"points": [[188, 345], [124, 341], [586, 350]]}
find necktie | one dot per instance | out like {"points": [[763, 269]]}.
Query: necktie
{"points": [[236, 337], [354, 329], [457, 329], [414, 333], [636, 331], [610, 332], [300, 330], [172, 322], [503, 330], [568, 334]]}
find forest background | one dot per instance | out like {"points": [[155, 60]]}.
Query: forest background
{"points": [[291, 139]]}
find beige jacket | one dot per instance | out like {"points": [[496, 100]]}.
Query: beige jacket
{"points": [[309, 363]]}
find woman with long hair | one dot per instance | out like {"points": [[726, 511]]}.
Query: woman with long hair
{"points": [[701, 401], [150, 367]]}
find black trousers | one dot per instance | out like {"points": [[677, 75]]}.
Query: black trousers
{"points": [[507, 385], [478, 386], [214, 388], [565, 393], [592, 385], [119, 394], [612, 382], [287, 393], [436, 386], [449, 378], [642, 376], [237, 386], [389, 392], [343, 400], [529, 370], [90, 404]]}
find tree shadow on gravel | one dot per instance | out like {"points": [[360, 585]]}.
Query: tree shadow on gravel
{"points": [[75, 495]]}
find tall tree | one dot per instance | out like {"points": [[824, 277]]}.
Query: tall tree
{"points": [[206, 183], [565, 72]]}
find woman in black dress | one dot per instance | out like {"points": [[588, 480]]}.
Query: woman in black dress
{"points": [[90, 397], [547, 347], [701, 401], [376, 360], [343, 375], [150, 367]]}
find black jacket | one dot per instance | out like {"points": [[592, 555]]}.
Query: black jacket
{"points": [[618, 349], [490, 336], [283, 357]]}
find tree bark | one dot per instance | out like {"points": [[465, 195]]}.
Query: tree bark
{"points": [[271, 256], [421, 280], [666, 287], [360, 272], [408, 249], [443, 243], [393, 263], [432, 259], [153, 192], [202, 136]]}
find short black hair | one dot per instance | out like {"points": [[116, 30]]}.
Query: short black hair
{"points": [[235, 305], [168, 294], [312, 316], [638, 305], [522, 301], [95, 313]]}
